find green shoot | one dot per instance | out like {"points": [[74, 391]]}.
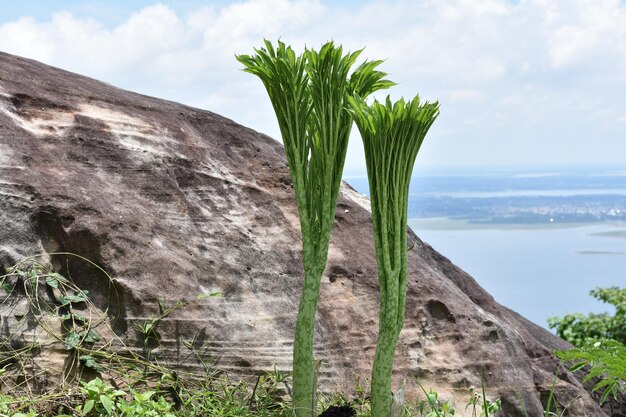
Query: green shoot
{"points": [[392, 134], [309, 93]]}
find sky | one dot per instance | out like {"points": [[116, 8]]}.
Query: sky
{"points": [[522, 84]]}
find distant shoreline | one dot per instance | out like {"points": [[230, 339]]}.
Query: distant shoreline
{"points": [[445, 223]]}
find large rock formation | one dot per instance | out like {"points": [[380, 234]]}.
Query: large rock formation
{"points": [[175, 202]]}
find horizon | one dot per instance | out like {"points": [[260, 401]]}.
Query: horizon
{"points": [[513, 171]]}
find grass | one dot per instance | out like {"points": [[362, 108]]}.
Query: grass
{"points": [[215, 398], [104, 377]]}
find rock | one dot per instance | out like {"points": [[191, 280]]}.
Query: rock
{"points": [[175, 203]]}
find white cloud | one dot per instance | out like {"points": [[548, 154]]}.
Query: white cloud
{"points": [[508, 75], [465, 95], [592, 32]]}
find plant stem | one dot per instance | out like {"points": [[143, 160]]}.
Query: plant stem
{"points": [[303, 360], [382, 371]]}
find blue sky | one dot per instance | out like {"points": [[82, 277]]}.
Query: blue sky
{"points": [[533, 83]]}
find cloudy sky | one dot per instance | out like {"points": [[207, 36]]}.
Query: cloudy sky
{"points": [[538, 83]]}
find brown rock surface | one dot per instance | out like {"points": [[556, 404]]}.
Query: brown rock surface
{"points": [[175, 202]]}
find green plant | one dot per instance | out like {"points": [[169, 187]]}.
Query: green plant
{"points": [[268, 393], [8, 406], [551, 400], [148, 329], [100, 398], [577, 328], [432, 406], [155, 389], [198, 350], [143, 405], [600, 343], [392, 134], [606, 360], [309, 93], [479, 403]]}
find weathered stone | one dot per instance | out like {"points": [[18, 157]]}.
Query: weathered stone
{"points": [[175, 202]]}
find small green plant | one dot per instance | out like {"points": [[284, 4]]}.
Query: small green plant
{"points": [[432, 406], [392, 135], [480, 405], [309, 93], [198, 350], [100, 398], [148, 329], [9, 407], [144, 404]]}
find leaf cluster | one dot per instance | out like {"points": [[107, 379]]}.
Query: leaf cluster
{"points": [[309, 93], [604, 359], [392, 135]]}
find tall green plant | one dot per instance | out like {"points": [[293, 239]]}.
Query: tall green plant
{"points": [[392, 135], [309, 93]]}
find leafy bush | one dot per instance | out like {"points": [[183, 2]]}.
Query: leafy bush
{"points": [[578, 328]]}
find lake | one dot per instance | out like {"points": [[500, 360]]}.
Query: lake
{"points": [[537, 241], [537, 271]]}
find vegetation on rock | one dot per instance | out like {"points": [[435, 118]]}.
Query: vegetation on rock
{"points": [[578, 328], [102, 377]]}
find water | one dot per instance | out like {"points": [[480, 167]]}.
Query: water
{"points": [[537, 241], [539, 272]]}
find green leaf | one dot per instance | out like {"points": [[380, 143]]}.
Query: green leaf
{"points": [[89, 362], [210, 295], [60, 278], [52, 281], [92, 337], [68, 299], [72, 340], [8, 288], [88, 406], [75, 317], [106, 403], [578, 366], [144, 396]]}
